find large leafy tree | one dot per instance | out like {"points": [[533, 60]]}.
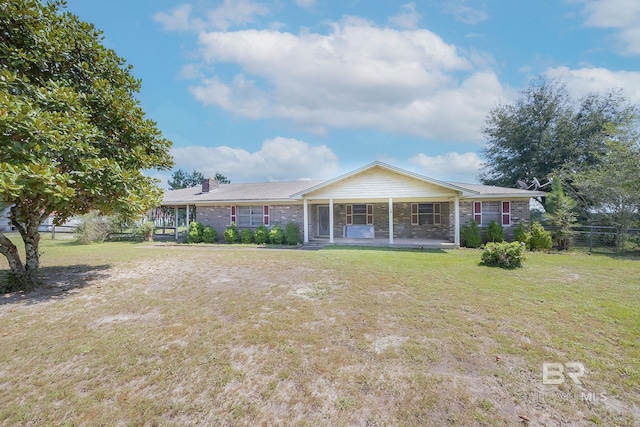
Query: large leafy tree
{"points": [[612, 189], [545, 131], [73, 137]]}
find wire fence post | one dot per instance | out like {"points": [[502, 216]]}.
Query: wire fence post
{"points": [[591, 239]]}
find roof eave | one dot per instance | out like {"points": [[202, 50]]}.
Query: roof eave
{"points": [[528, 195]]}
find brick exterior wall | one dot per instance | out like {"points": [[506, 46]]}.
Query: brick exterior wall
{"points": [[284, 214], [402, 227], [219, 217], [519, 213]]}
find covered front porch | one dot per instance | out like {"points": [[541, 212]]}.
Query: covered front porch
{"points": [[416, 222], [398, 206]]}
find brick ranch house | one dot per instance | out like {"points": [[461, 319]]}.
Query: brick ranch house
{"points": [[376, 201]]}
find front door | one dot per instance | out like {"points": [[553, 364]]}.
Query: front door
{"points": [[323, 220]]}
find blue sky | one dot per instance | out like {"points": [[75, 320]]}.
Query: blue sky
{"points": [[264, 90]]}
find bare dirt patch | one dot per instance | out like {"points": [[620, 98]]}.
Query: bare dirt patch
{"points": [[206, 336]]}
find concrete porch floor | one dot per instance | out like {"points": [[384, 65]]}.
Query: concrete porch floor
{"points": [[384, 242]]}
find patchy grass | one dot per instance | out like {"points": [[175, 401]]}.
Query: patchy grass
{"points": [[153, 334]]}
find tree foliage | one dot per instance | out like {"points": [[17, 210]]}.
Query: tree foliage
{"points": [[471, 235], [73, 137], [559, 213], [181, 179], [612, 189], [222, 179], [545, 131], [540, 239]]}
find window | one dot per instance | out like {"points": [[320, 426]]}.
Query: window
{"points": [[491, 211], [506, 213], [359, 214], [250, 216], [265, 211], [477, 212], [426, 214], [487, 211]]}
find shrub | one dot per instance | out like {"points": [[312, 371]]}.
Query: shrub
{"points": [[262, 234], [231, 234], [521, 234], [503, 255], [93, 228], [495, 232], [247, 236], [209, 234], [276, 235], [146, 231], [121, 229], [540, 239], [195, 232], [471, 235], [292, 233]]}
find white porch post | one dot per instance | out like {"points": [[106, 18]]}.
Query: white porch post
{"points": [[175, 220], [456, 220], [305, 216], [330, 220], [187, 217], [390, 220]]}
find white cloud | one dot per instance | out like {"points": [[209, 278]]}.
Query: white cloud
{"points": [[229, 13], [585, 80], [177, 20], [407, 18], [279, 159], [464, 12], [622, 16], [235, 12], [306, 4], [356, 76], [190, 72], [452, 166]]}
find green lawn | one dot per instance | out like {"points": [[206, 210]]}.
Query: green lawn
{"points": [[159, 334]]}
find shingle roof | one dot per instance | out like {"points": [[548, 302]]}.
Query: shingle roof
{"points": [[492, 190], [259, 191], [291, 190]]}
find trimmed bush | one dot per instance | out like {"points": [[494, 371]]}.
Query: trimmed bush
{"points": [[276, 235], [247, 236], [231, 233], [292, 233], [521, 234], [471, 235], [195, 232], [495, 232], [93, 228], [503, 255], [262, 234], [146, 231], [209, 234], [540, 238]]}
